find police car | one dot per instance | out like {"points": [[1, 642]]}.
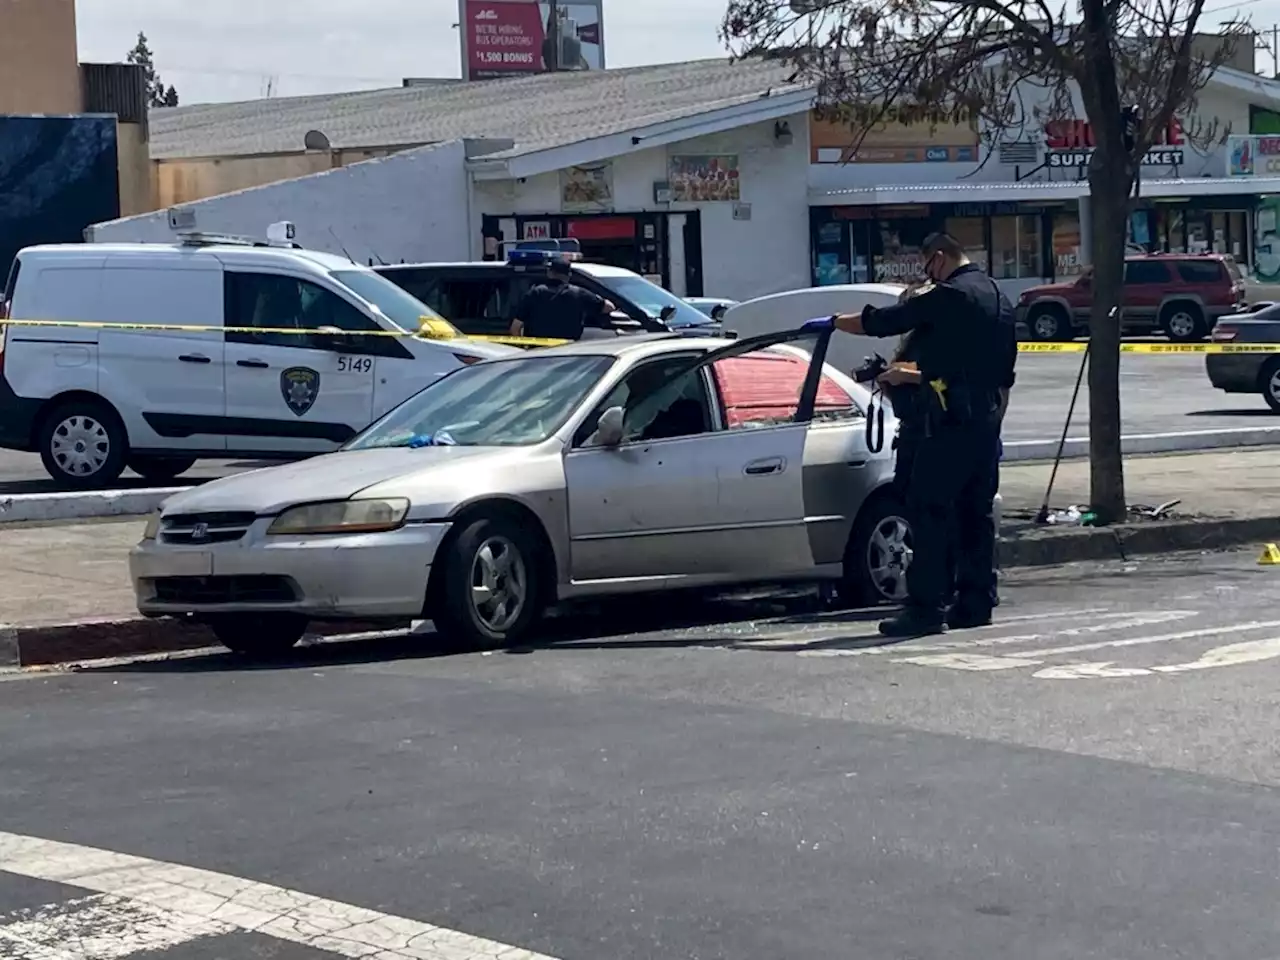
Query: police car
{"points": [[152, 356], [481, 299]]}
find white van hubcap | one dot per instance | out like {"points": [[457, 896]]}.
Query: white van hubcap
{"points": [[80, 446]]}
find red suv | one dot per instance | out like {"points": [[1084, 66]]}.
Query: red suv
{"points": [[1179, 294]]}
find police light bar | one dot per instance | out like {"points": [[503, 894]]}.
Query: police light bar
{"points": [[544, 251]]}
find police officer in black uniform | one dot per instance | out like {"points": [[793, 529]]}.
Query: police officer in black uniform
{"points": [[559, 310], [964, 341]]}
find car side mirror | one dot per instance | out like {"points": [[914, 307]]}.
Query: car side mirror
{"points": [[608, 428], [718, 311], [667, 313]]}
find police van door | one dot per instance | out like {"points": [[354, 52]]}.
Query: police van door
{"points": [[292, 389]]}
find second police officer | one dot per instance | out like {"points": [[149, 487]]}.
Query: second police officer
{"points": [[560, 310], [964, 344]]}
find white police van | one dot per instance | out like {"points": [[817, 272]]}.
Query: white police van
{"points": [[231, 380]]}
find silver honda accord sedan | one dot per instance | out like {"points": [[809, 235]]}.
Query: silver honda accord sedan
{"points": [[594, 469]]}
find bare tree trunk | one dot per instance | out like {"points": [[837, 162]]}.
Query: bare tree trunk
{"points": [[1109, 199]]}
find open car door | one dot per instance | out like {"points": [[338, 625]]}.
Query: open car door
{"points": [[681, 489]]}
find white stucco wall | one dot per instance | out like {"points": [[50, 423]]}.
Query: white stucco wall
{"points": [[410, 206], [740, 258]]}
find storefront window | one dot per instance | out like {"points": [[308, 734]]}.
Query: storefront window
{"points": [[968, 232], [1066, 246], [1197, 232], [1015, 248], [899, 258], [1238, 236], [1175, 231], [831, 252]]}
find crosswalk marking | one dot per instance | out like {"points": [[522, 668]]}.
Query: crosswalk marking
{"points": [[99, 928], [993, 648], [197, 900]]}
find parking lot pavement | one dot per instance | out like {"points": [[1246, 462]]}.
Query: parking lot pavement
{"points": [[1096, 775], [1160, 394]]}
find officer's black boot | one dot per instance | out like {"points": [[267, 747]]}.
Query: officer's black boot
{"points": [[962, 616], [913, 622]]}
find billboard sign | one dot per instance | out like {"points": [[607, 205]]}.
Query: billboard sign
{"points": [[508, 38]]}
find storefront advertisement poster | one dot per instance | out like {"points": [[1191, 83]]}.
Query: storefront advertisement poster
{"points": [[700, 179], [587, 189], [1253, 156], [503, 38], [1266, 253]]}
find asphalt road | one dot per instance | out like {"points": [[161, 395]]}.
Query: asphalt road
{"points": [[1096, 776], [1160, 394]]}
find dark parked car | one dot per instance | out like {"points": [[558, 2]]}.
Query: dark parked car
{"points": [[481, 299], [1248, 372]]}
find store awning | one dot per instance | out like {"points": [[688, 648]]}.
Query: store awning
{"points": [[1038, 192]]}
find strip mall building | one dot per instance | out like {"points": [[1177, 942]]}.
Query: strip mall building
{"points": [[712, 178]]}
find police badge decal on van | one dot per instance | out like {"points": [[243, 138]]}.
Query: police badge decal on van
{"points": [[300, 386]]}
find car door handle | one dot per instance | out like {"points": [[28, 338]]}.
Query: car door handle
{"points": [[762, 468], [194, 358], [255, 364]]}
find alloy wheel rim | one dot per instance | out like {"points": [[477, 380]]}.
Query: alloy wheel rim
{"points": [[1046, 326], [889, 556], [80, 446], [1182, 324], [1273, 385], [499, 584]]}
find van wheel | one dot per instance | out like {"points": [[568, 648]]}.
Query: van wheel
{"points": [[492, 590], [1049, 324], [83, 444], [160, 469], [877, 555]]}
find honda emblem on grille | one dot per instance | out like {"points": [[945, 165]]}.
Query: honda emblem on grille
{"points": [[200, 532]]}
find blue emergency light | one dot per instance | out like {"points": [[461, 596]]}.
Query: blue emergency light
{"points": [[543, 252]]}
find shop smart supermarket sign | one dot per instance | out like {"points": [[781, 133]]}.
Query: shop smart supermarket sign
{"points": [[1070, 143]]}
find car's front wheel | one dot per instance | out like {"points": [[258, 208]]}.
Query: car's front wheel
{"points": [[1269, 381], [259, 635], [877, 555], [491, 589]]}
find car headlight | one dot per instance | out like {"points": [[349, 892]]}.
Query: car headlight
{"points": [[152, 529], [341, 516]]}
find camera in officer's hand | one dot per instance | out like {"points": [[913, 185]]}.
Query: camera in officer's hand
{"points": [[871, 368]]}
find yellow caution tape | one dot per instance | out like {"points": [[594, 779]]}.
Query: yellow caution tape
{"points": [[1159, 348], [430, 329]]}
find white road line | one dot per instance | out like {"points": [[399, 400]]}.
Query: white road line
{"points": [[1032, 658], [201, 896], [1111, 622], [99, 928]]}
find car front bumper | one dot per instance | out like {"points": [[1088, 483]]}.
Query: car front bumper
{"points": [[335, 577]]}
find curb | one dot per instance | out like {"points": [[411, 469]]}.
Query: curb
{"points": [[34, 507], [1122, 542], [1147, 443], [105, 639]]}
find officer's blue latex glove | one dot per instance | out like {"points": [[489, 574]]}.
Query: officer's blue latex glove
{"points": [[819, 323]]}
